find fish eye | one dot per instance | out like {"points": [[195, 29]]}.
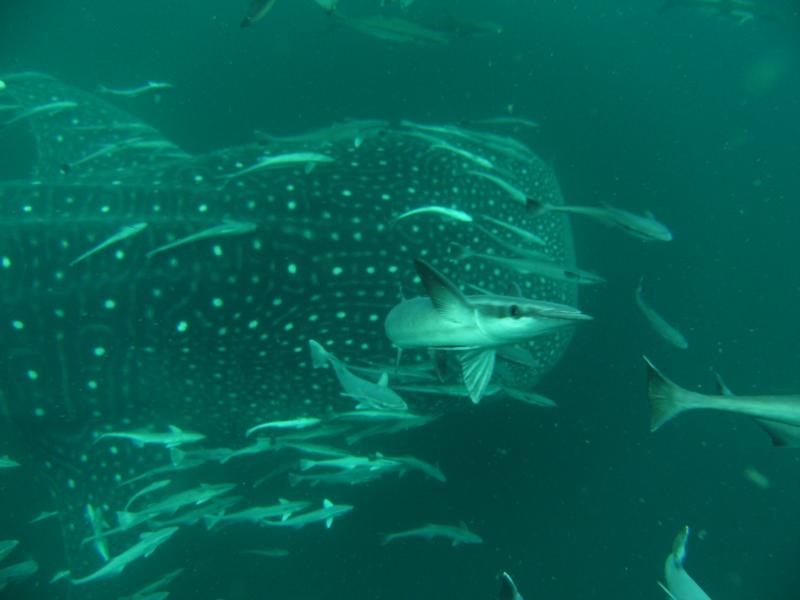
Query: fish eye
{"points": [[514, 311]]}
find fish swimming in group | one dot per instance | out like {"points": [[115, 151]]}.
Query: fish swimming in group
{"points": [[660, 325], [680, 585], [148, 542], [171, 439], [394, 29], [326, 514], [668, 400], [457, 534], [149, 86], [644, 227], [213, 335]]}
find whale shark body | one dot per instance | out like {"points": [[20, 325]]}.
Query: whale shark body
{"points": [[211, 334]]}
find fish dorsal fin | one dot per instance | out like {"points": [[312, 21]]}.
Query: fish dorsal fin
{"points": [[283, 501], [175, 429], [384, 380], [722, 387], [514, 290], [463, 525], [477, 367], [448, 300], [327, 503], [319, 356]]}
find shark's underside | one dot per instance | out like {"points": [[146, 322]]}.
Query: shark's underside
{"points": [[212, 334]]}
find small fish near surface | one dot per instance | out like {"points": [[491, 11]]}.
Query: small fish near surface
{"points": [[668, 400], [680, 585], [474, 326], [661, 326]]}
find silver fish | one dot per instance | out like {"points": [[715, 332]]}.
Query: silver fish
{"points": [[659, 323], [645, 227], [148, 86]]}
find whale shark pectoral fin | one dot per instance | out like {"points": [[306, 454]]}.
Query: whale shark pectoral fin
{"points": [[477, 367], [448, 300]]}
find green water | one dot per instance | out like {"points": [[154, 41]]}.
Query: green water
{"points": [[691, 117]]}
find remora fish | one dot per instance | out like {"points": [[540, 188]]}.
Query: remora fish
{"points": [[668, 400], [7, 547], [473, 325], [327, 513], [172, 439], [366, 393], [659, 323], [148, 542], [217, 332], [135, 91], [459, 534], [257, 10], [680, 585], [645, 227], [394, 29]]}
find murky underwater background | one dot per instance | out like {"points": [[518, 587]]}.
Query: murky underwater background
{"points": [[693, 117]]}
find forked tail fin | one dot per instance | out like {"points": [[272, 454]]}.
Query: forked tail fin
{"points": [[665, 397]]}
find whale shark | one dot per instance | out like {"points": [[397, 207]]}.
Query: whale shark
{"points": [[204, 326]]}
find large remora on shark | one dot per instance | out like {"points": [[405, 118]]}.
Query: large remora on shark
{"points": [[211, 334]]}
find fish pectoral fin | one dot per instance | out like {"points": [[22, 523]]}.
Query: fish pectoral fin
{"points": [[477, 367], [447, 299], [666, 591]]}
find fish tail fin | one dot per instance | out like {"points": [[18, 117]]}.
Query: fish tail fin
{"points": [[664, 395]]}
